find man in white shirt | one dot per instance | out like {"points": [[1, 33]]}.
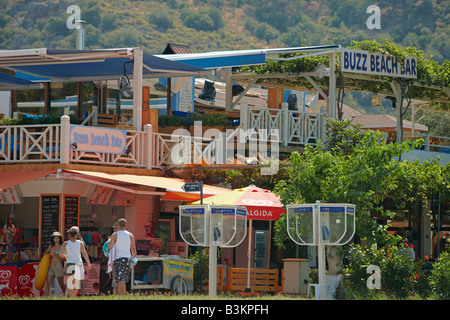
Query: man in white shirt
{"points": [[122, 241]]}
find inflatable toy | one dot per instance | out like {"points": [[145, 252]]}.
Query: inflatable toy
{"points": [[44, 265]]}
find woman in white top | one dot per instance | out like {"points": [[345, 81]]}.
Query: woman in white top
{"points": [[72, 251]]}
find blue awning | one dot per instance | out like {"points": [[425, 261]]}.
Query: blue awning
{"points": [[238, 58], [91, 65], [8, 82]]}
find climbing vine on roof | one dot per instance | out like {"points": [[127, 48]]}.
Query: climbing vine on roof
{"points": [[432, 83]]}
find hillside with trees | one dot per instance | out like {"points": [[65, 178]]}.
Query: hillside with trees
{"points": [[208, 25]]}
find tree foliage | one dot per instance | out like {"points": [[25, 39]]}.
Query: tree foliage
{"points": [[359, 167], [421, 24], [433, 79]]}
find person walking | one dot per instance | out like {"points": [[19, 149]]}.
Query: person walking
{"points": [[72, 250], [122, 247], [106, 251], [56, 268]]}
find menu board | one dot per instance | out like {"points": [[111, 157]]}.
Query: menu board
{"points": [[48, 219], [71, 213]]}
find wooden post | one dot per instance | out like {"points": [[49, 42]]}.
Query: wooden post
{"points": [[145, 105]]}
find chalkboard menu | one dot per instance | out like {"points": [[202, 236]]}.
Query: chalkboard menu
{"points": [[49, 219], [71, 213]]}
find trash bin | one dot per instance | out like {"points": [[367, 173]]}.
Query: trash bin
{"points": [[296, 275]]}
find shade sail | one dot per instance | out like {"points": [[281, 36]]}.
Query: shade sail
{"points": [[261, 204], [13, 178], [170, 184], [237, 58], [91, 65], [8, 82]]}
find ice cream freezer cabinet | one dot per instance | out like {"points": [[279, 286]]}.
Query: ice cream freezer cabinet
{"points": [[163, 273]]}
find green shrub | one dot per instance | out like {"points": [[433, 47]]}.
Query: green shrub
{"points": [[216, 119], [173, 121], [440, 276], [200, 270], [33, 119], [163, 120], [399, 272], [6, 121]]}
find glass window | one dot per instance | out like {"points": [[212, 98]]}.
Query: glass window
{"points": [[63, 98], [31, 101], [261, 248], [165, 230]]}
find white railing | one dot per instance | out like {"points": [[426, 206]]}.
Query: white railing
{"points": [[183, 149], [93, 115], [148, 150], [295, 128], [431, 143], [30, 143], [135, 156], [51, 143]]}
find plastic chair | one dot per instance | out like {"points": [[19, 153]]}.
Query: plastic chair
{"points": [[316, 289]]}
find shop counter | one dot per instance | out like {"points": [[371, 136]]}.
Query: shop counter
{"points": [[18, 278]]}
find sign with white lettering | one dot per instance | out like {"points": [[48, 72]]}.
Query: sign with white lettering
{"points": [[375, 63], [95, 139], [191, 187]]}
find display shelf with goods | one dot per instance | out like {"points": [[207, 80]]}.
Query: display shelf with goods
{"points": [[10, 252], [149, 247]]}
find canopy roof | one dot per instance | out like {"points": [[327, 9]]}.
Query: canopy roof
{"points": [[8, 82], [239, 58], [293, 71], [164, 183], [90, 65]]}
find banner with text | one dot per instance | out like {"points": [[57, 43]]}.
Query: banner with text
{"points": [[95, 139]]}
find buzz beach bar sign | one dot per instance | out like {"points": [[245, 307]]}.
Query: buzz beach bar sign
{"points": [[95, 139], [360, 61]]}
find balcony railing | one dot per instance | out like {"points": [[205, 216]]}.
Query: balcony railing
{"points": [[295, 128], [431, 142], [250, 142], [30, 143]]}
